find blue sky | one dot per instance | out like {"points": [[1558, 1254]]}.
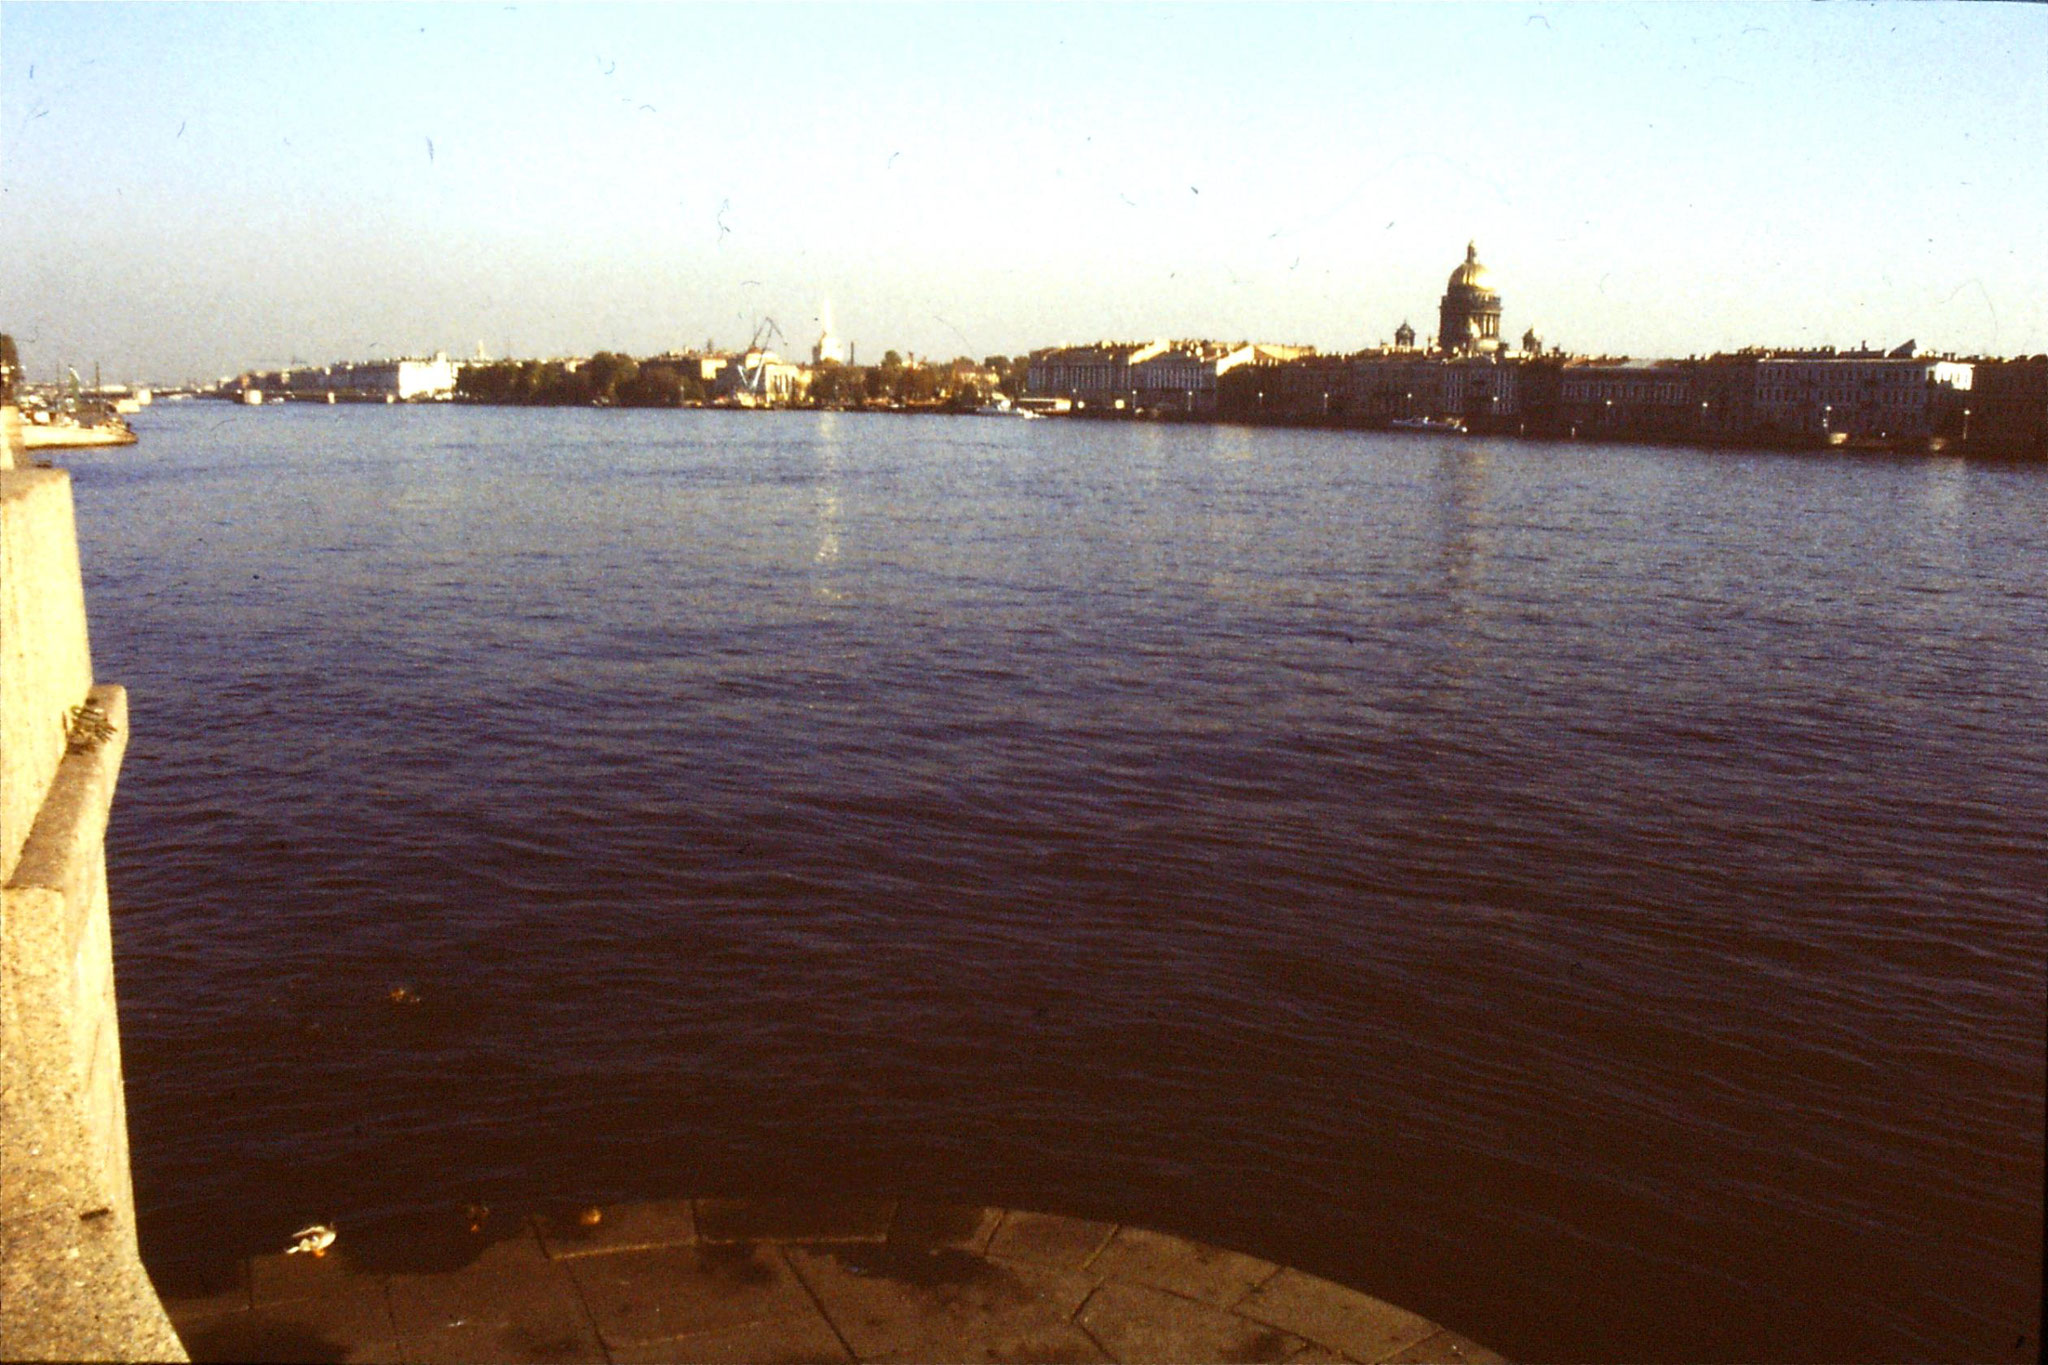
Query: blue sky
{"points": [[191, 189]]}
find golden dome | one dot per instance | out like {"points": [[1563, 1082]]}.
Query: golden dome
{"points": [[1472, 275]]}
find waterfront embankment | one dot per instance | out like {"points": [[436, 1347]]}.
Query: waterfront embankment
{"points": [[72, 1284], [797, 1279]]}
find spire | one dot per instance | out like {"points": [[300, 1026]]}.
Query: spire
{"points": [[1472, 253], [827, 347]]}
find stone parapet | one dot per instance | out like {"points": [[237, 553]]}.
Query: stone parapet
{"points": [[45, 659], [72, 1284]]}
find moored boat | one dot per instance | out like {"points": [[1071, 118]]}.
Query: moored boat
{"points": [[1000, 406], [65, 432]]}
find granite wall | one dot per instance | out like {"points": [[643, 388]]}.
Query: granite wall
{"points": [[72, 1283]]}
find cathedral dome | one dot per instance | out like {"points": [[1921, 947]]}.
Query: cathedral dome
{"points": [[1468, 319], [1472, 275]]}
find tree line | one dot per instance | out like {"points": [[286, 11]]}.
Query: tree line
{"points": [[960, 382], [610, 379], [607, 379]]}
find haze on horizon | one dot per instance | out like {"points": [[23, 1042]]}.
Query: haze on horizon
{"points": [[190, 190]]}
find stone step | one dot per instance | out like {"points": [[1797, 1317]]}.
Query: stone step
{"points": [[800, 1280]]}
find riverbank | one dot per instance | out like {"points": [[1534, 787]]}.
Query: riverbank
{"points": [[1783, 443]]}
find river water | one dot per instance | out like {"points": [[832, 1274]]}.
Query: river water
{"points": [[1593, 896]]}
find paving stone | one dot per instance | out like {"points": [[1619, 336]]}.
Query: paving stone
{"points": [[793, 1220], [790, 1280], [1313, 1354], [1067, 1345], [506, 1343], [1048, 1240], [227, 1298], [351, 1323], [641, 1296], [511, 1285], [785, 1341], [945, 1304], [276, 1279], [920, 1225], [1446, 1348], [434, 1243], [1141, 1256], [1136, 1324], [622, 1227], [1353, 1324]]}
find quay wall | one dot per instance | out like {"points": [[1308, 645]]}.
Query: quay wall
{"points": [[72, 1283]]}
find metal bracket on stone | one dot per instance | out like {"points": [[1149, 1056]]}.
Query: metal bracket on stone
{"points": [[88, 728]]}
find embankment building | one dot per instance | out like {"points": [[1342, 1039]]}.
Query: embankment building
{"points": [[1177, 378], [1770, 397]]}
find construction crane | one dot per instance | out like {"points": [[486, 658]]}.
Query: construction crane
{"points": [[754, 364]]}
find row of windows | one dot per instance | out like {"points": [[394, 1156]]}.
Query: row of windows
{"points": [[1843, 397], [1137, 376], [1624, 393], [1887, 375]]}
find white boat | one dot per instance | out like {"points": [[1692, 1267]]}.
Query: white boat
{"points": [[999, 406], [63, 431], [1449, 424]]}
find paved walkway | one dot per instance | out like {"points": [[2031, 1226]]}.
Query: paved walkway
{"points": [[861, 1280]]}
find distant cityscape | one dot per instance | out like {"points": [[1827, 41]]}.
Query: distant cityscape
{"points": [[1465, 377]]}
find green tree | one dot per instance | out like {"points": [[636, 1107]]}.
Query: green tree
{"points": [[485, 383], [834, 384], [606, 374], [555, 383], [656, 386]]}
